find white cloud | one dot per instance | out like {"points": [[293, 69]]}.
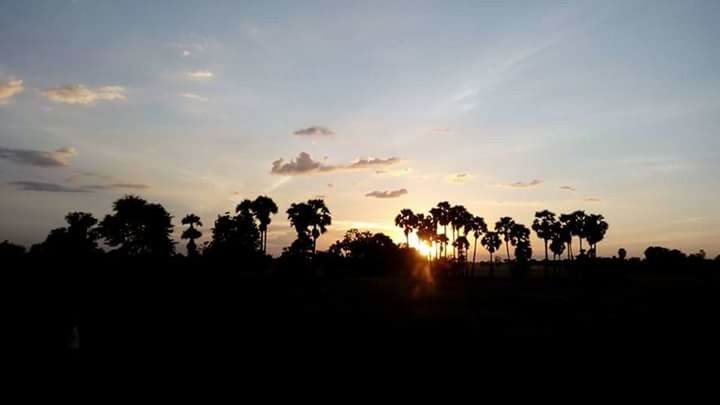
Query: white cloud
{"points": [[201, 74], [194, 97], [81, 94]]}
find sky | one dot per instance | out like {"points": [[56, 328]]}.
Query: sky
{"points": [[507, 108]]}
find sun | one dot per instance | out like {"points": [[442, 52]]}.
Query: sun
{"points": [[420, 246]]}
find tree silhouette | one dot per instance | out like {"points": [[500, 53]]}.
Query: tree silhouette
{"points": [[427, 231], [458, 216], [504, 227], [441, 216], [567, 222], [10, 250], [520, 238], [478, 227], [310, 220], [594, 228], [263, 207], [557, 247], [234, 236], [191, 233], [408, 221], [622, 253], [575, 223], [461, 244], [491, 241], [138, 228], [78, 239], [544, 225]]}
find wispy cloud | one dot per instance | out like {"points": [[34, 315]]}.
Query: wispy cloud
{"points": [[194, 97], [56, 158], [592, 199], [521, 184], [60, 188], [373, 162], [387, 193], [304, 164], [459, 178], [201, 74], [47, 187], [81, 94], [315, 131], [8, 89], [568, 188]]}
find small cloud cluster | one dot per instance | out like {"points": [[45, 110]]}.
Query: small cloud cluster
{"points": [[56, 158], [8, 89], [521, 184], [315, 130], [592, 199], [459, 178], [201, 74], [387, 193], [304, 164], [81, 94], [568, 188]]}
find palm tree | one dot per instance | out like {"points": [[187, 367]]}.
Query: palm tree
{"points": [[191, 233], [491, 241], [458, 217], [478, 227], [408, 221], [462, 244], [565, 231], [441, 213], [310, 219], [595, 228], [520, 239], [576, 224], [263, 207], [504, 227], [426, 231], [543, 227]]}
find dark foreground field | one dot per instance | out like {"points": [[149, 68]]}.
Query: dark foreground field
{"points": [[204, 311]]}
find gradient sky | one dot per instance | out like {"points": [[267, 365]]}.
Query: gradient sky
{"points": [[505, 107]]}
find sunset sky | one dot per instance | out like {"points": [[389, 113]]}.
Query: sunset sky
{"points": [[505, 107]]}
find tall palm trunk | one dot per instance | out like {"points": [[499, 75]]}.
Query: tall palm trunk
{"points": [[453, 236], [580, 239], [546, 258], [407, 239], [474, 251], [507, 247], [492, 266]]}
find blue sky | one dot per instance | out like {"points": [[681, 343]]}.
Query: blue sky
{"points": [[189, 103]]}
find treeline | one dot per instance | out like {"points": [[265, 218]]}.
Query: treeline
{"points": [[557, 232], [137, 228]]}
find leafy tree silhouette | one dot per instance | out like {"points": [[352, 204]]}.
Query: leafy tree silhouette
{"points": [[504, 227], [622, 253], [557, 246], [78, 239], [408, 221], [234, 236], [478, 227], [138, 228], [427, 231], [441, 216], [191, 233], [491, 241], [310, 220], [11, 251], [567, 222], [544, 225], [594, 228], [458, 216], [462, 244], [264, 207]]}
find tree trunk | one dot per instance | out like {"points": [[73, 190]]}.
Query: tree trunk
{"points": [[507, 248], [580, 239], [473, 263], [453, 233], [547, 263], [492, 266], [407, 239]]}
